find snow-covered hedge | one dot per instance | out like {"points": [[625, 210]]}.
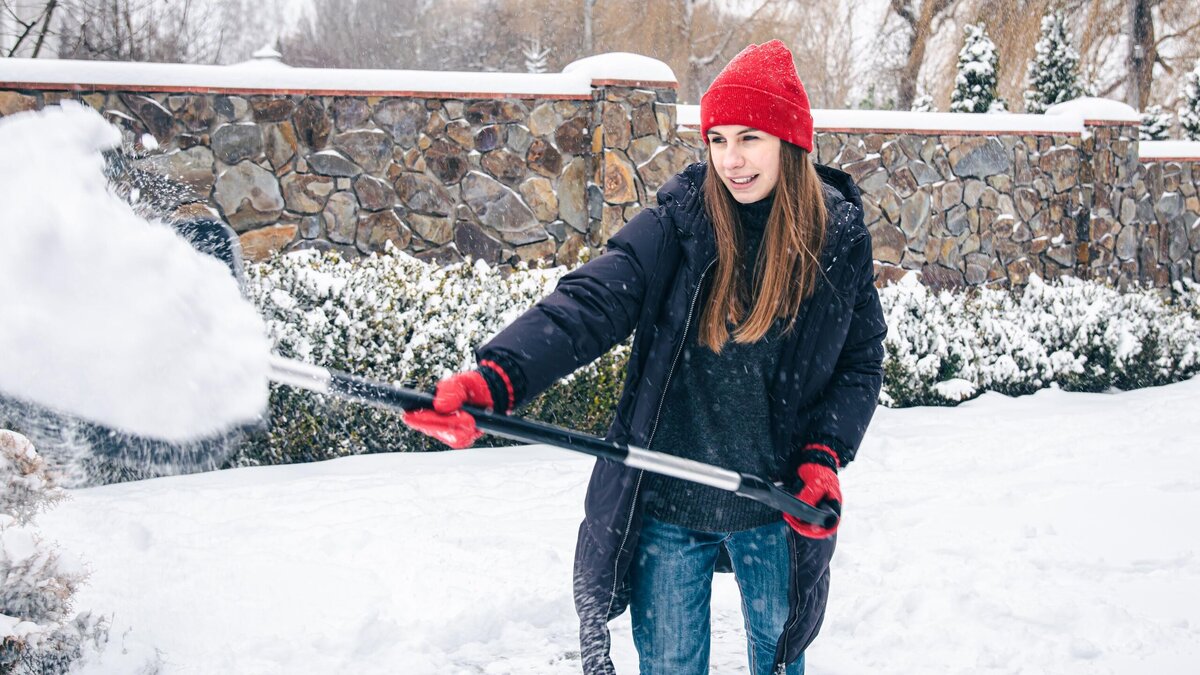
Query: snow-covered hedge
{"points": [[397, 319], [39, 630], [945, 347]]}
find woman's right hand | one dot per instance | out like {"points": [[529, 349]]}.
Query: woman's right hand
{"points": [[447, 421]]}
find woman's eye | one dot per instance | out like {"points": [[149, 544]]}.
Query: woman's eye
{"points": [[716, 139], [749, 138]]}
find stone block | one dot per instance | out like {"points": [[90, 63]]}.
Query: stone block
{"points": [[491, 111], [542, 251], [271, 109], [572, 195], [374, 194], [501, 210], [262, 243], [568, 252], [375, 230], [539, 194], [370, 149], [350, 112], [448, 161], [519, 139], [573, 136], [643, 121], [306, 193], [616, 125], [402, 119], [543, 120], [333, 163], [12, 102], [422, 194], [619, 186], [938, 278], [544, 158], [248, 195], [887, 243], [504, 166], [472, 241], [341, 218], [279, 143], [980, 157], [435, 230], [312, 122]]}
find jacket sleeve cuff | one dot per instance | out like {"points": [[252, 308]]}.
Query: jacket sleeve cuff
{"points": [[838, 450], [501, 384]]}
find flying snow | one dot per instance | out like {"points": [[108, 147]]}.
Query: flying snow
{"points": [[104, 314]]}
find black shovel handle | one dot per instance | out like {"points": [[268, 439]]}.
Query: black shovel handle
{"points": [[352, 387]]}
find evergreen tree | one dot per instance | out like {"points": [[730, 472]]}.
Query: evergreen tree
{"points": [[535, 56], [1054, 72], [975, 85], [1189, 112], [1156, 124]]}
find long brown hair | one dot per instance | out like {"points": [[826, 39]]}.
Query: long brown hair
{"points": [[788, 260]]}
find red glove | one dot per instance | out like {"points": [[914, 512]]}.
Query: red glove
{"points": [[447, 421], [819, 483]]}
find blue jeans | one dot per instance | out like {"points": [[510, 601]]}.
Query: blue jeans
{"points": [[672, 589]]}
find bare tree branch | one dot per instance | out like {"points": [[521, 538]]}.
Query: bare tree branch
{"points": [[1177, 34]]}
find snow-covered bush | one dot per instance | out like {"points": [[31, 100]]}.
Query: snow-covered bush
{"points": [[1156, 124], [1085, 336], [923, 103], [39, 630], [397, 319]]}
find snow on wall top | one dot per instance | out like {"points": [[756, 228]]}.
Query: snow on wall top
{"points": [[622, 66], [1095, 109], [1151, 150], [267, 76], [1066, 117]]}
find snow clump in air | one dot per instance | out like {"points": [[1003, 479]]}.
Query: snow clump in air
{"points": [[106, 315]]}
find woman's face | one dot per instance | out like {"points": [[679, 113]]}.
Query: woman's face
{"points": [[746, 159]]}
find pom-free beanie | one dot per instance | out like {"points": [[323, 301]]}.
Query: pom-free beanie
{"points": [[760, 89]]}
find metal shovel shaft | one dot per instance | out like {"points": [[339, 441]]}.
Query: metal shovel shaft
{"points": [[351, 387]]}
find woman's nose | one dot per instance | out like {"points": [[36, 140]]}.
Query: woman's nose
{"points": [[732, 158]]}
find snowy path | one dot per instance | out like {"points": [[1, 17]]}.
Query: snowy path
{"points": [[1046, 534]]}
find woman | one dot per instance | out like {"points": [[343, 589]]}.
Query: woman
{"points": [[758, 347]]}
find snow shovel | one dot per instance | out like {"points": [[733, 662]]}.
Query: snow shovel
{"points": [[350, 387]]}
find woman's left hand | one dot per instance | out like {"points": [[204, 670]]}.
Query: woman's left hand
{"points": [[819, 484]]}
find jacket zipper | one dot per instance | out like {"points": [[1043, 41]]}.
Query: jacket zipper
{"points": [[637, 486]]}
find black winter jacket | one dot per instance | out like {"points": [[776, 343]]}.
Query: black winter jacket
{"points": [[649, 281]]}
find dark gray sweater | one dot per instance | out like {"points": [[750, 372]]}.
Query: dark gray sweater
{"points": [[717, 411]]}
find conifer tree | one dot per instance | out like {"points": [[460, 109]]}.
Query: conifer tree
{"points": [[535, 56], [1189, 111], [1053, 73], [975, 85], [1156, 124]]}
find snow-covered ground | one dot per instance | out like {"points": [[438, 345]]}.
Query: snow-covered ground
{"points": [[1050, 533]]}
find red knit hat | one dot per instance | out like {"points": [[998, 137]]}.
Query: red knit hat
{"points": [[760, 88]]}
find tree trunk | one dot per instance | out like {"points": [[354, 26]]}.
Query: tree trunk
{"points": [[1142, 53], [588, 38], [921, 24]]}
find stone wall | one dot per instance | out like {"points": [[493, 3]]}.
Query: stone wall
{"points": [[510, 177]]}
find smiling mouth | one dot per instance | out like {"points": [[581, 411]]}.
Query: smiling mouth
{"points": [[743, 181]]}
